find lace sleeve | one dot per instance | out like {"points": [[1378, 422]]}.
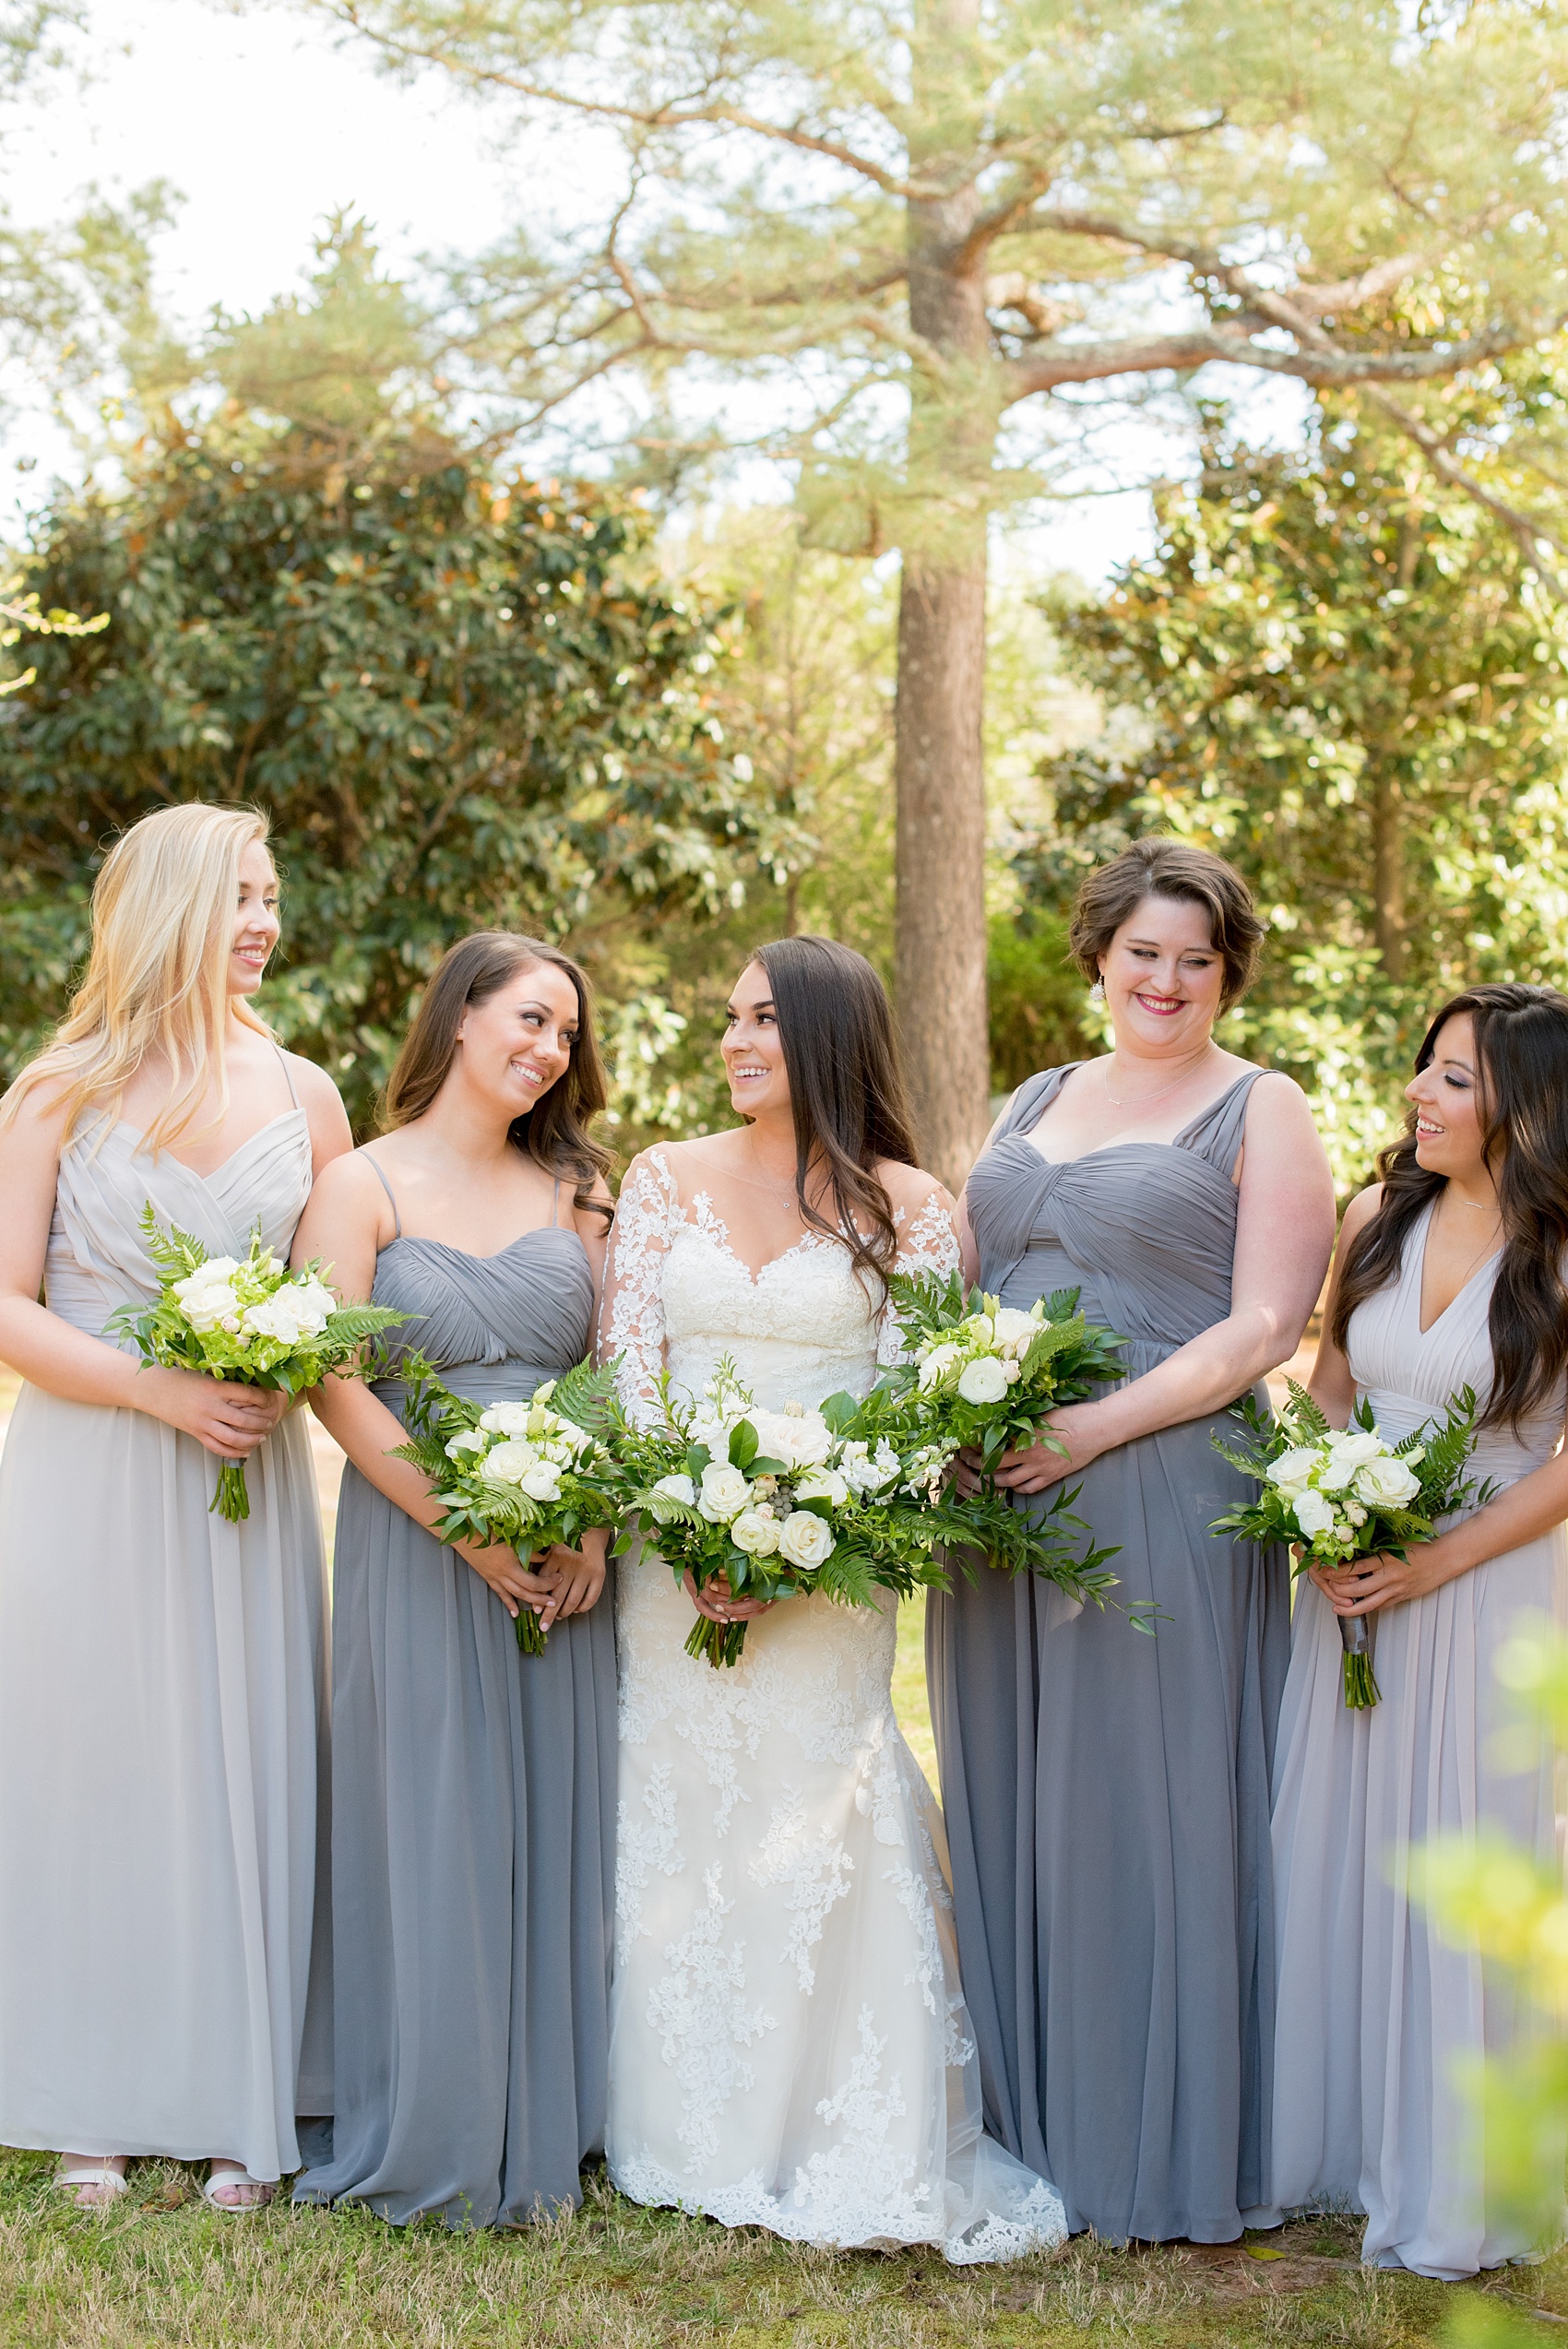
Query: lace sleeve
{"points": [[631, 1320], [927, 1243]]}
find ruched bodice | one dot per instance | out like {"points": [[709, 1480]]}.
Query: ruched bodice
{"points": [[97, 1259], [1145, 1230], [1408, 1374], [492, 1326]]}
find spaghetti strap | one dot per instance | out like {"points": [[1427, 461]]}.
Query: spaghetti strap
{"points": [[397, 1218], [554, 1203], [288, 1075]]}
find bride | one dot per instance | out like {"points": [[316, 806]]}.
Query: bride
{"points": [[789, 2043]]}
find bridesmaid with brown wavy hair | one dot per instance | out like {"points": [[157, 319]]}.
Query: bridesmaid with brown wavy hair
{"points": [[473, 1787]]}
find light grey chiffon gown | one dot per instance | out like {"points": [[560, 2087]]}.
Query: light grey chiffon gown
{"points": [[163, 1680], [473, 1805], [1107, 1795]]}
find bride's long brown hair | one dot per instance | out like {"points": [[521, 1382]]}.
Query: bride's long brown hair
{"points": [[1522, 1095], [846, 1089]]}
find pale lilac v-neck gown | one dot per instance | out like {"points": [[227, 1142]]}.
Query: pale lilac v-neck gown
{"points": [[163, 1694], [1380, 2016]]}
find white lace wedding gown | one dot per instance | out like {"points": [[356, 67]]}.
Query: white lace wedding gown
{"points": [[789, 2043]]}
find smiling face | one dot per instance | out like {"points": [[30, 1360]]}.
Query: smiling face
{"points": [[256, 925], [754, 1052], [1163, 977], [1448, 1105], [517, 1043]]}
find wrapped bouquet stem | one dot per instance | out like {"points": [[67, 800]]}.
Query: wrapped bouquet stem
{"points": [[1336, 1494], [528, 1473], [247, 1319]]}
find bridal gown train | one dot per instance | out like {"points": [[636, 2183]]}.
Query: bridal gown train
{"points": [[789, 2043]]}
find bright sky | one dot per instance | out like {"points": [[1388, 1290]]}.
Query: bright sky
{"points": [[265, 127]]}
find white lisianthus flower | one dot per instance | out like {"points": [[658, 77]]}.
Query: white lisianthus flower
{"points": [[206, 1305], [506, 1418], [216, 1268], [936, 1365], [287, 1316], [1015, 1331], [1336, 1473], [757, 1532], [509, 1462], [1386, 1483], [824, 1484], [724, 1492], [462, 1445], [1011, 1371], [315, 1297], [984, 1381], [1293, 1467], [804, 1539], [1313, 1514], [542, 1481], [678, 1487]]}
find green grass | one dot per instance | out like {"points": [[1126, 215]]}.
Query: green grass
{"points": [[161, 2268]]}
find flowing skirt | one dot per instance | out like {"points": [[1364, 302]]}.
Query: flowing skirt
{"points": [[163, 1777], [1382, 2019]]}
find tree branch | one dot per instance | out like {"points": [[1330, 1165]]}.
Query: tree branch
{"points": [[1325, 366]]}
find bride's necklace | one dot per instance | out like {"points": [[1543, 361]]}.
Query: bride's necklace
{"points": [[1148, 1099], [1489, 1245]]}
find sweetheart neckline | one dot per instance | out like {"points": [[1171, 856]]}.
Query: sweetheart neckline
{"points": [[295, 1110], [705, 1231], [425, 1239], [1111, 1149]]}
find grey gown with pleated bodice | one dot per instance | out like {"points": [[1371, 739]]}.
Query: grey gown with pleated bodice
{"points": [[473, 1800], [1107, 1794]]}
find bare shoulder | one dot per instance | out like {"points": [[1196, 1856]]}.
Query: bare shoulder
{"points": [[1360, 1211], [349, 1185], [586, 1213], [312, 1085], [37, 1120], [1276, 1105], [910, 1188]]}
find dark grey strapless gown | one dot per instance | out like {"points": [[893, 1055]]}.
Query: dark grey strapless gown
{"points": [[473, 1808], [1108, 1795]]}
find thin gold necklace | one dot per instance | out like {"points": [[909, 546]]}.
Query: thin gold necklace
{"points": [[1149, 1098]]}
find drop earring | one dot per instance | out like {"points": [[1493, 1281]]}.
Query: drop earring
{"points": [[1097, 994]]}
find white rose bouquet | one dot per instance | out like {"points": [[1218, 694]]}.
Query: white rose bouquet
{"points": [[531, 1473], [983, 1374], [845, 1500], [249, 1320], [1337, 1493]]}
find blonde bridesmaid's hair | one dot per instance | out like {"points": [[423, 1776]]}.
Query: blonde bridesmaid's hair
{"points": [[157, 978]]}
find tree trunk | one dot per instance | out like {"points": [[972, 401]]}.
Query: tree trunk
{"points": [[1388, 875], [938, 766]]}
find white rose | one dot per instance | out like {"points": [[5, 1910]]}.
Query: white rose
{"points": [[936, 1365], [506, 1418], [1357, 1445], [542, 1481], [757, 1532], [1314, 1514], [461, 1445], [273, 1317], [313, 1299], [1015, 1331], [207, 1305], [509, 1463], [984, 1381], [1293, 1467], [824, 1484], [724, 1491], [1386, 1483], [215, 1268], [804, 1539], [1335, 1473], [678, 1487], [801, 1438]]}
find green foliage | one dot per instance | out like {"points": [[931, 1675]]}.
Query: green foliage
{"points": [[1037, 997], [460, 699], [1354, 687]]}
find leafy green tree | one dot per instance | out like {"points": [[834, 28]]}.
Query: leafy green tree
{"points": [[917, 231], [463, 696], [1354, 686]]}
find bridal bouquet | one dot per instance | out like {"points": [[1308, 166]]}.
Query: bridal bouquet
{"points": [[845, 1500], [984, 1375], [1338, 1493], [249, 1320], [531, 1473]]}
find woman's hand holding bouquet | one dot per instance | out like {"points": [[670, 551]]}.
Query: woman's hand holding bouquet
{"points": [[249, 1322], [533, 1476], [1338, 1494]]}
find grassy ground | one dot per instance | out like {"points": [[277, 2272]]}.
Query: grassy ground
{"points": [[161, 2268]]}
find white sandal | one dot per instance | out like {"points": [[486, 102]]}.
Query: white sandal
{"points": [[91, 2174], [217, 2181]]}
